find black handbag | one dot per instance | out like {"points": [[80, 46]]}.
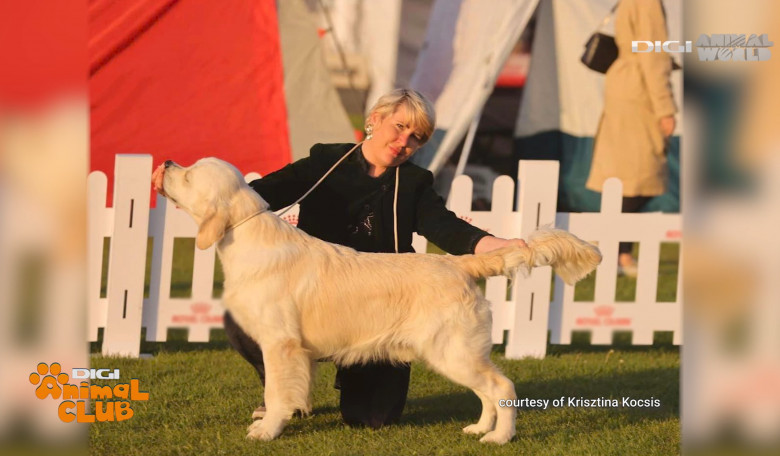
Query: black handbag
{"points": [[600, 50]]}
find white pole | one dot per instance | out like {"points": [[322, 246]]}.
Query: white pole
{"points": [[464, 155]]}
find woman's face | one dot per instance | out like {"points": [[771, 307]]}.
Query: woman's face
{"points": [[393, 139]]}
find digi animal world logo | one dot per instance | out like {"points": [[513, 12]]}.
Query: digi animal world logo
{"points": [[111, 403], [715, 47]]}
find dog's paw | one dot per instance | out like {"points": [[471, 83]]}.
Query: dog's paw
{"points": [[303, 413], [498, 437], [476, 428], [260, 430]]}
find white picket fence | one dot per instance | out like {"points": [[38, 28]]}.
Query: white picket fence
{"points": [[526, 316]]}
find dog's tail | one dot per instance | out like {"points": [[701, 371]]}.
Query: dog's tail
{"points": [[571, 257]]}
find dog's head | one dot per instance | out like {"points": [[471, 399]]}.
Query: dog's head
{"points": [[214, 193]]}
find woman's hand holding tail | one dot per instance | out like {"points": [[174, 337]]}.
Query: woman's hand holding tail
{"points": [[488, 243]]}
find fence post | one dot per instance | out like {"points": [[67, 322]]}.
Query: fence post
{"points": [[606, 274], [127, 259], [100, 223], [537, 203], [160, 275], [503, 224]]}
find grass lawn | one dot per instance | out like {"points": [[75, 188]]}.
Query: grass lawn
{"points": [[202, 397]]}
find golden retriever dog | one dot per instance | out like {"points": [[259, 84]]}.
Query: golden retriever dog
{"points": [[304, 299]]}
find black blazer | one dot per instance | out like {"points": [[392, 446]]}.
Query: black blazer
{"points": [[333, 209]]}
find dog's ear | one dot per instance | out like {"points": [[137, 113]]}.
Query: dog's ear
{"points": [[212, 228]]}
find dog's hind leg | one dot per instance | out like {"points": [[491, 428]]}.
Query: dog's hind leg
{"points": [[487, 420], [500, 387], [464, 363], [288, 373]]}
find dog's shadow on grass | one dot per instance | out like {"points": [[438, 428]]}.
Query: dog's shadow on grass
{"points": [[441, 409], [659, 383]]}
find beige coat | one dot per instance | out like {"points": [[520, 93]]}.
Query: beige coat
{"points": [[637, 93]]}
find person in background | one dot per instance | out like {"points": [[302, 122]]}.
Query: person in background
{"points": [[638, 117], [373, 201]]}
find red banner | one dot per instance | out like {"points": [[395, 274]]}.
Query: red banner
{"points": [[185, 80]]}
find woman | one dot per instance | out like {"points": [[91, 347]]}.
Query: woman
{"points": [[638, 115], [359, 205]]}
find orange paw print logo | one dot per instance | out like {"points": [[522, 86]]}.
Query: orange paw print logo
{"points": [[49, 378]]}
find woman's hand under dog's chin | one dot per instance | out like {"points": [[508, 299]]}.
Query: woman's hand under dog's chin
{"points": [[157, 179]]}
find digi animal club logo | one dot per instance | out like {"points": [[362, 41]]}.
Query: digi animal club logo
{"points": [[111, 403]]}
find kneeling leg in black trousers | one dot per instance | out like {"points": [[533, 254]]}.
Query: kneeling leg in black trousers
{"points": [[373, 395]]}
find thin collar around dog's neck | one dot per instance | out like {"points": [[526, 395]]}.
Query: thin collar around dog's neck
{"points": [[245, 219]]}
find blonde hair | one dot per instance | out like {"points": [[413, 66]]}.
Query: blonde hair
{"points": [[422, 117]]}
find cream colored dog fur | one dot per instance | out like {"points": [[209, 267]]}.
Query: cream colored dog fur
{"points": [[303, 299]]}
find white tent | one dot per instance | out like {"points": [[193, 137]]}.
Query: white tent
{"points": [[465, 48]]}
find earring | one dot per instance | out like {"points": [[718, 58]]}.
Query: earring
{"points": [[369, 131]]}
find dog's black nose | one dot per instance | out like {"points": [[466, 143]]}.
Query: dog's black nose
{"points": [[168, 163]]}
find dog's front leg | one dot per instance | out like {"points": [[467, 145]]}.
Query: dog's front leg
{"points": [[286, 387]]}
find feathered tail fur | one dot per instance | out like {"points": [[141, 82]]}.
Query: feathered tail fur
{"points": [[570, 257]]}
